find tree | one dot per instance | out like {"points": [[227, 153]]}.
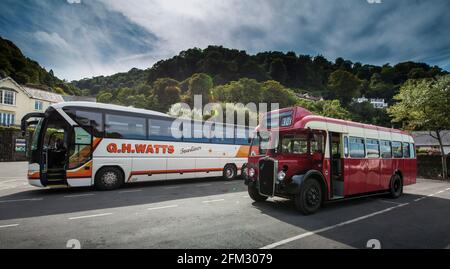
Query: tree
{"points": [[274, 92], [105, 97], [202, 84], [424, 105], [326, 108], [344, 86], [278, 70]]}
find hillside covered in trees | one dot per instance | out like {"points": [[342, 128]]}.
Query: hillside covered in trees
{"points": [[229, 75], [28, 72]]}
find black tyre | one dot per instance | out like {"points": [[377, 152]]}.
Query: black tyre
{"points": [[109, 178], [244, 171], [396, 187], [254, 194], [309, 200], [229, 172]]}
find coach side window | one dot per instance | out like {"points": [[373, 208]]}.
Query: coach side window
{"points": [[161, 129], [357, 148], [386, 150], [87, 118], [242, 135], [346, 147], [397, 149], [119, 126], [406, 152]]}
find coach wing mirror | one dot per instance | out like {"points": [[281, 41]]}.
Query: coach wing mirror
{"points": [[24, 123]]}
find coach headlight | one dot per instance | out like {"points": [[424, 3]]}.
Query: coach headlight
{"points": [[281, 175], [251, 172]]}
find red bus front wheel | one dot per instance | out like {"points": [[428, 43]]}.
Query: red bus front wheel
{"points": [[309, 200]]}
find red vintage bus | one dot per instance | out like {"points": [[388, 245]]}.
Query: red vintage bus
{"points": [[315, 159]]}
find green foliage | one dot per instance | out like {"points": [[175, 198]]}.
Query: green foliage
{"points": [[201, 84], [344, 86], [423, 104], [28, 72], [326, 108]]}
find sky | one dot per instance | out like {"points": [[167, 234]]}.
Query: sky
{"points": [[86, 38]]}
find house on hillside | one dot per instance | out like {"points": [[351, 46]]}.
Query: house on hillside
{"points": [[17, 100], [426, 143], [308, 97], [376, 102]]}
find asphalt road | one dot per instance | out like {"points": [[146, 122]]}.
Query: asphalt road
{"points": [[213, 214]]}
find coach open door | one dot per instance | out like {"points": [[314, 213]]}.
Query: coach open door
{"points": [[336, 165], [79, 165]]}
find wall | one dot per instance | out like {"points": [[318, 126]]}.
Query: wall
{"points": [[7, 145], [430, 166]]}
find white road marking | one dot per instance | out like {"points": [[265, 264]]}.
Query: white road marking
{"points": [[439, 192], [90, 216], [130, 191], [21, 200], [300, 236], [448, 189], [203, 185], [419, 199], [12, 180], [213, 201], [78, 195], [162, 207], [9, 225], [172, 187], [245, 196], [230, 183], [388, 202]]}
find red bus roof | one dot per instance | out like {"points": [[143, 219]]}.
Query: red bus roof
{"points": [[302, 116]]}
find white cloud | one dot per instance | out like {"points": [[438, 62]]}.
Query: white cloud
{"points": [[74, 1]]}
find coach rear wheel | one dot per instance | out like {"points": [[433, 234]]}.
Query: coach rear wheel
{"points": [[309, 200], [229, 172], [396, 187], [109, 178]]}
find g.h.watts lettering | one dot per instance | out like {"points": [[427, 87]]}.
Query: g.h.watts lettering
{"points": [[140, 148]]}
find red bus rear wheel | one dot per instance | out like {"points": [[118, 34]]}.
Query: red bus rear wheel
{"points": [[396, 187]]}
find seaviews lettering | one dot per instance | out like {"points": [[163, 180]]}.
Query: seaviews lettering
{"points": [[140, 148], [192, 149]]}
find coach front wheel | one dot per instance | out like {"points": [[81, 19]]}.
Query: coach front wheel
{"points": [[109, 178], [229, 172]]}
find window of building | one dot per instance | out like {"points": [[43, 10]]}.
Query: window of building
{"points": [[7, 119], [406, 150], [373, 148], [397, 149], [7, 97], [119, 126], [38, 105], [385, 148], [357, 148]]}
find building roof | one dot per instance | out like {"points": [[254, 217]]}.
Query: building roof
{"points": [[423, 138], [43, 95], [36, 93]]}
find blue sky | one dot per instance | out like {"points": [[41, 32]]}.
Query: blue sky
{"points": [[85, 38]]}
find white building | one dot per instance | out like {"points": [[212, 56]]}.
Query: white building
{"points": [[17, 100], [376, 102]]}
